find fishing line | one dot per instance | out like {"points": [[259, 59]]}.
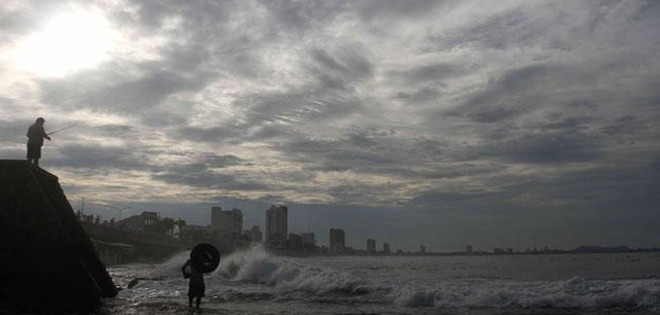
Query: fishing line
{"points": [[62, 129]]}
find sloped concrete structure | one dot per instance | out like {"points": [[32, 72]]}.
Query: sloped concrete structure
{"points": [[47, 262]]}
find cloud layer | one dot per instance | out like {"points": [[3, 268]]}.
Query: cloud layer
{"points": [[475, 112]]}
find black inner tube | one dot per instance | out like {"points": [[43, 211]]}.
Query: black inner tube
{"points": [[205, 257]]}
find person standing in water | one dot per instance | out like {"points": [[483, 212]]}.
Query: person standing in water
{"points": [[196, 286], [36, 135]]}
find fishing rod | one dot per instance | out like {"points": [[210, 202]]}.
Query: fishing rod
{"points": [[62, 129]]}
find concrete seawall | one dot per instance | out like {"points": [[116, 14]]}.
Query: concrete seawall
{"points": [[47, 262]]}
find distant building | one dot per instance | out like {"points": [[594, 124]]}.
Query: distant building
{"points": [[295, 241], [226, 222], [254, 234], [193, 234], [308, 238], [144, 222], [386, 248], [371, 245], [337, 241], [422, 249], [277, 224], [468, 249]]}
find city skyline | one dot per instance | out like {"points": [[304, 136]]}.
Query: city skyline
{"points": [[444, 123], [232, 226]]}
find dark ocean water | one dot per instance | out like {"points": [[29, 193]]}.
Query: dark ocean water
{"points": [[254, 282]]}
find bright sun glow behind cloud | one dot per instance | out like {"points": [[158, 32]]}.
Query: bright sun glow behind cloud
{"points": [[68, 43]]}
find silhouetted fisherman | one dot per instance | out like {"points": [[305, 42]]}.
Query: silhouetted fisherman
{"points": [[36, 135]]}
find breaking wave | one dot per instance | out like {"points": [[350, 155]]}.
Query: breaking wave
{"points": [[575, 293], [257, 266], [287, 276]]}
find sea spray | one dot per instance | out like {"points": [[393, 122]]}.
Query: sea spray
{"points": [[173, 265], [255, 280], [257, 266], [572, 294], [288, 275], [411, 296]]}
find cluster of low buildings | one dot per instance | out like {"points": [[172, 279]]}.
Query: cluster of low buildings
{"points": [[226, 232]]}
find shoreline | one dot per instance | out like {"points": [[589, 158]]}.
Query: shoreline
{"points": [[286, 253]]}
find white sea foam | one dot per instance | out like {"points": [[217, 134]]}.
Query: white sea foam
{"points": [[173, 264], [574, 293], [258, 267]]}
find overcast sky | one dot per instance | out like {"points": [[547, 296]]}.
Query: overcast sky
{"points": [[443, 123]]}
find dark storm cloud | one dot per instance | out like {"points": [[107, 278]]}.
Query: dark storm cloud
{"points": [[204, 173], [115, 130], [361, 193], [201, 176], [220, 161], [624, 126], [211, 134], [413, 159], [383, 153], [11, 131], [623, 187], [269, 115], [298, 16], [567, 140], [453, 200], [330, 96], [426, 82], [454, 170], [545, 148], [511, 29], [572, 124], [435, 72], [297, 107], [604, 187], [336, 155], [161, 119], [132, 95], [346, 65], [206, 15], [607, 187], [89, 156], [551, 25], [516, 92], [376, 9], [423, 95]]}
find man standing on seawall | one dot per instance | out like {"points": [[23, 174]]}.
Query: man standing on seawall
{"points": [[36, 135]]}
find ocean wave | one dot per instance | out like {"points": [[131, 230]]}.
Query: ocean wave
{"points": [[575, 294], [258, 267]]}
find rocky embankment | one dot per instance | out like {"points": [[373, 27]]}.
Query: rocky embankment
{"points": [[47, 262]]}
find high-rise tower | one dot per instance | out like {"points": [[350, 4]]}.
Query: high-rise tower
{"points": [[277, 223]]}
